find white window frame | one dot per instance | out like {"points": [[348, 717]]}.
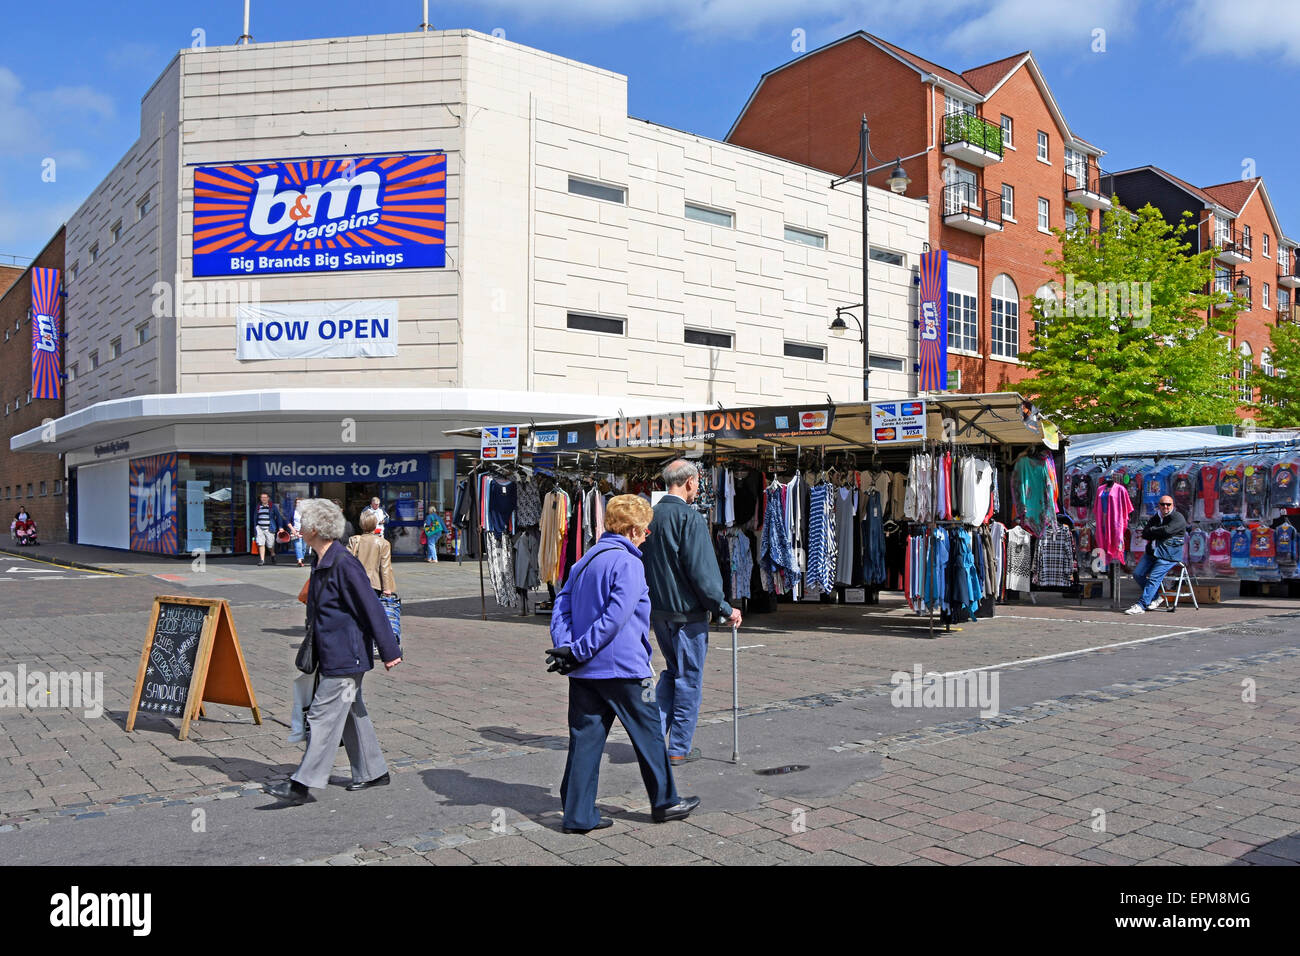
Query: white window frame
{"points": [[1008, 127], [957, 200], [1044, 148], [115, 233], [1044, 215], [1264, 299], [955, 104], [1071, 218], [963, 322], [1245, 391], [94, 360], [1009, 202], [1264, 244], [1004, 320], [114, 349], [142, 208]]}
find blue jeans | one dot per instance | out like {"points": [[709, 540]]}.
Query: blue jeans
{"points": [[299, 548], [1149, 573], [593, 705], [681, 685], [431, 546]]}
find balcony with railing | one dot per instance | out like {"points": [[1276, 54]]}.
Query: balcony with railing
{"points": [[1288, 269], [1226, 281], [971, 139], [1234, 246], [971, 209], [1086, 185]]}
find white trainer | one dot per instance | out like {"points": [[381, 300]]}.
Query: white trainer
{"points": [[1136, 609], [1155, 605]]}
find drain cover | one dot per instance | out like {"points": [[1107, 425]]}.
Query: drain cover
{"points": [[776, 771]]}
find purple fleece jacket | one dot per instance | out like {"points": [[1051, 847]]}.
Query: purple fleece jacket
{"points": [[603, 612]]}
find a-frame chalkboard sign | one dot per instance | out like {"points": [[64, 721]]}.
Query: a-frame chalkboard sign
{"points": [[191, 655]]}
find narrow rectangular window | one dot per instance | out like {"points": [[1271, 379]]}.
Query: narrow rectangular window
{"points": [[142, 208], [1042, 146], [1044, 214], [814, 353], [1006, 130], [1008, 201], [595, 323], [583, 187], [115, 348], [714, 217], [887, 256], [887, 363], [714, 340], [814, 239]]}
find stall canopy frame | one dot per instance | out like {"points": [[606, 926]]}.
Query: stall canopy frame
{"points": [[997, 418]]}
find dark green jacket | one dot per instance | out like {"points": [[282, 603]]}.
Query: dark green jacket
{"points": [[680, 565]]}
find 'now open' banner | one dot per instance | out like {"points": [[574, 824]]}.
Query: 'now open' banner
{"points": [[344, 329]]}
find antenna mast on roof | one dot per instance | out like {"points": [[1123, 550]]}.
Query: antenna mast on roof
{"points": [[424, 24], [245, 38]]}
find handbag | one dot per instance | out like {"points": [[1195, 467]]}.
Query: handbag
{"points": [[306, 659], [424, 539]]}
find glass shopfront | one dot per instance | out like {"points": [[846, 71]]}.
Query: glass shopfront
{"points": [[211, 503]]}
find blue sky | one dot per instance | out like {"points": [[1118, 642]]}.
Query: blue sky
{"points": [[1208, 90]]}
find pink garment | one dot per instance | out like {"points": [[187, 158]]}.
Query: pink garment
{"points": [[1112, 508]]}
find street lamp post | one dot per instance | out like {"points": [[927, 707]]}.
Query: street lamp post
{"points": [[898, 182]]}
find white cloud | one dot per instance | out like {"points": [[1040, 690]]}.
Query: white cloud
{"points": [[1243, 28], [1009, 26], [74, 99]]}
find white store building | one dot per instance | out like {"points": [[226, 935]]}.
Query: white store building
{"points": [[515, 248]]}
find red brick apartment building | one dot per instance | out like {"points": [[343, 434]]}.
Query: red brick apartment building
{"points": [[34, 482], [1237, 217], [989, 148]]}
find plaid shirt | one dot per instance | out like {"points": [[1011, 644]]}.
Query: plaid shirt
{"points": [[1054, 566]]}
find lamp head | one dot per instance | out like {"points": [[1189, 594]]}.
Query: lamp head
{"points": [[839, 327], [1242, 288], [898, 180]]}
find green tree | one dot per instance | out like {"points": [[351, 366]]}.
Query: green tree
{"points": [[1279, 394], [1130, 340]]}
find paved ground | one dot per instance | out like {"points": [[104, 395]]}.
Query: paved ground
{"points": [[1167, 739]]}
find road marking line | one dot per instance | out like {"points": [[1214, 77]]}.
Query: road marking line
{"points": [[1073, 620]]}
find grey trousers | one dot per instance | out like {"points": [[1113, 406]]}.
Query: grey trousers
{"points": [[337, 711]]}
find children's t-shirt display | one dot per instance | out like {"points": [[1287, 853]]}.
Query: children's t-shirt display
{"points": [[1285, 491], [1255, 487], [1207, 493], [1263, 553], [1231, 479], [1241, 547], [1220, 547]]}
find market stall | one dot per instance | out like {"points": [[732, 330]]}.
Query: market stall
{"points": [[953, 502]]}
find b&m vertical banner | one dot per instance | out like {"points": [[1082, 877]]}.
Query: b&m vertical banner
{"points": [[47, 310], [321, 215], [933, 323], [153, 504]]}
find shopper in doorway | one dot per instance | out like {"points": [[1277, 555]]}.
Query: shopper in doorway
{"points": [[381, 516], [346, 622], [600, 628], [374, 553], [434, 529], [685, 589], [1164, 533], [299, 546], [267, 522]]}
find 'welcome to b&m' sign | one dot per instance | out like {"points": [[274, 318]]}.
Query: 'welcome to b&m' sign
{"points": [[321, 215]]}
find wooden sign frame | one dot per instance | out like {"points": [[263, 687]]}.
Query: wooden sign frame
{"points": [[220, 673]]}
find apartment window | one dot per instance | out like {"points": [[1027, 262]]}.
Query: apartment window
{"points": [[965, 192], [29, 490], [886, 363], [71, 277], [1264, 298], [1005, 317], [142, 334], [115, 232], [814, 353], [58, 486], [582, 322], [1071, 218], [115, 349], [1283, 303], [1264, 239], [6, 408], [1042, 147], [94, 252], [1006, 130], [1076, 165], [142, 208], [963, 328], [953, 104], [714, 217], [1044, 214], [814, 239], [72, 372], [887, 256], [1222, 232], [42, 489], [592, 190], [29, 398], [1244, 391], [714, 340], [1008, 201], [94, 361]]}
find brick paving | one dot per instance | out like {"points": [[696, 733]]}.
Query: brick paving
{"points": [[1171, 767]]}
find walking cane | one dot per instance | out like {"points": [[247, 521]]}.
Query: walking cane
{"points": [[735, 698]]}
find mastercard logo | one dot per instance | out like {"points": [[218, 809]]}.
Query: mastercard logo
{"points": [[886, 434], [489, 452], [809, 420]]}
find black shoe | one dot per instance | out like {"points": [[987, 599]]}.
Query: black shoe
{"points": [[273, 559], [604, 824], [290, 791], [380, 781], [679, 811]]}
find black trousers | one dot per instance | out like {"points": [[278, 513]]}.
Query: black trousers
{"points": [[593, 704]]}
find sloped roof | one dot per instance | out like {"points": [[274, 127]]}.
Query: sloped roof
{"points": [[1194, 191], [984, 78], [920, 63], [1233, 195]]}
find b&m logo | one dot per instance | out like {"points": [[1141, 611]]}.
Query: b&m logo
{"points": [[321, 215], [46, 340], [930, 322]]}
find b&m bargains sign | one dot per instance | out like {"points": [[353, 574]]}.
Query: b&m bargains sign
{"points": [[321, 215]]}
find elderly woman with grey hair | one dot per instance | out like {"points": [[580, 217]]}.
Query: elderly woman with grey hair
{"points": [[345, 619]]}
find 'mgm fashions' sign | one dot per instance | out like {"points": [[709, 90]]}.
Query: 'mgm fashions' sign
{"points": [[321, 215]]}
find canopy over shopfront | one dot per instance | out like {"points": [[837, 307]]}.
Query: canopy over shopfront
{"points": [[1160, 442]]}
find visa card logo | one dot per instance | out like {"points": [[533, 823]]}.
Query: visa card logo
{"points": [[320, 215]]}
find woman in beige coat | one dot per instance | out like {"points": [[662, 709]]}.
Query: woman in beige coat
{"points": [[374, 553]]}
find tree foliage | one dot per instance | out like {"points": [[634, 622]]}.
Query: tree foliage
{"points": [[1279, 394], [1131, 341]]}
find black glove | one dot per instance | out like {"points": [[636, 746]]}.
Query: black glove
{"points": [[561, 659]]}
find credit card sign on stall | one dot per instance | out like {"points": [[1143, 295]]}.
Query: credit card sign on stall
{"points": [[893, 422]]}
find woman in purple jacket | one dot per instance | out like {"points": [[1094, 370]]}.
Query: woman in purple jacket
{"points": [[600, 627]]}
